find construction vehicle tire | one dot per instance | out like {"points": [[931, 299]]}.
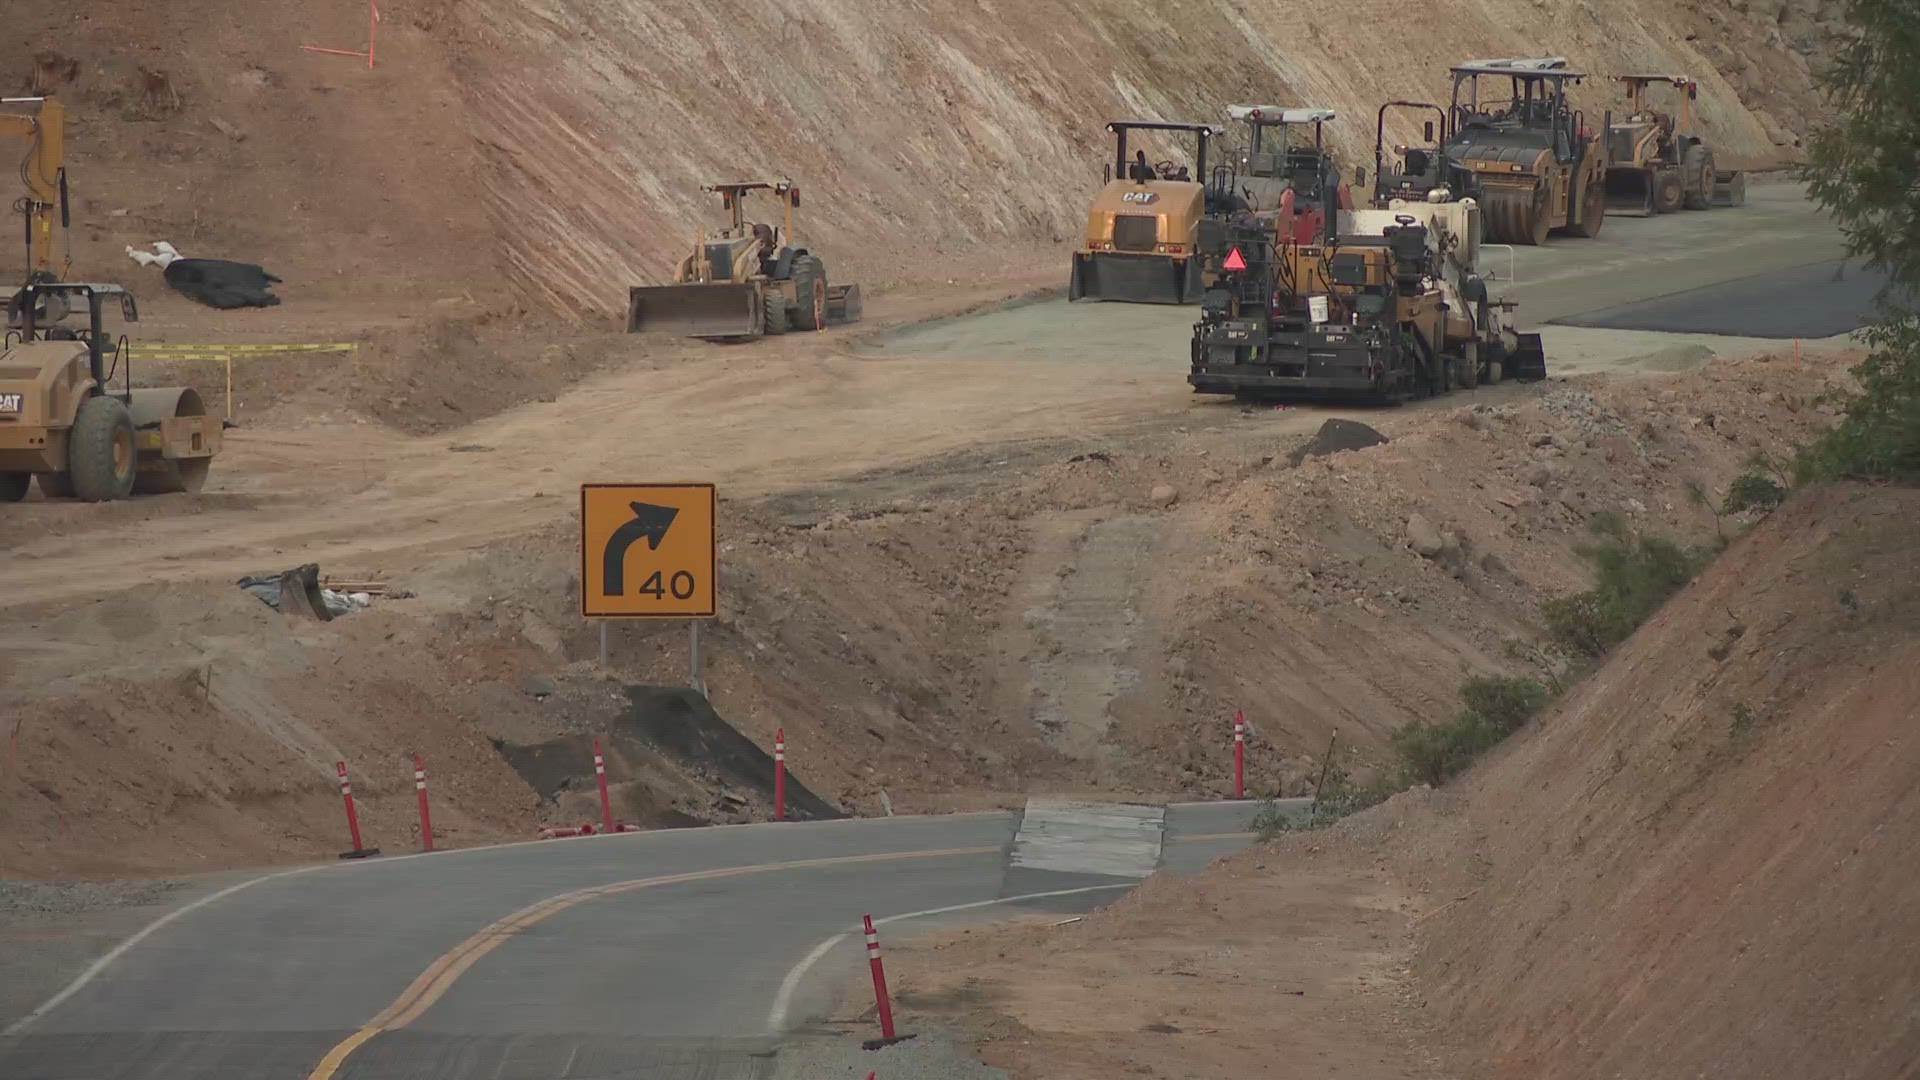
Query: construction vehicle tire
{"points": [[1466, 373], [1668, 191], [100, 450], [775, 303], [55, 485], [1517, 217], [1696, 169], [13, 486], [809, 293], [1593, 210]]}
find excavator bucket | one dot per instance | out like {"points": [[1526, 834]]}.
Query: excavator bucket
{"points": [[1729, 187], [843, 304], [1629, 193], [718, 311]]}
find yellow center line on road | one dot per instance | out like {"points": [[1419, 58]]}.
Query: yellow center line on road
{"points": [[439, 977]]}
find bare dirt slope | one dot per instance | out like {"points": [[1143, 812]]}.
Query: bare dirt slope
{"points": [[1701, 862], [1016, 616], [1698, 864]]}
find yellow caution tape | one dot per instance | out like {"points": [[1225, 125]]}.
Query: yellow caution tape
{"points": [[223, 352]]}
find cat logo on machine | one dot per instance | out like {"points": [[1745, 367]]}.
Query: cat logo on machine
{"points": [[9, 403], [1141, 198]]}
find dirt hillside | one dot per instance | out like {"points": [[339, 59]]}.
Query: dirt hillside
{"points": [[1698, 864], [505, 156]]}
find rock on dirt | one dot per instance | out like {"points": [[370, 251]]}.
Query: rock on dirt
{"points": [[1425, 537], [1163, 495]]}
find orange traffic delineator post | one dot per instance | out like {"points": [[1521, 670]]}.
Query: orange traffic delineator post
{"points": [[360, 851], [780, 775], [880, 996], [600, 772], [426, 818], [1239, 754]]}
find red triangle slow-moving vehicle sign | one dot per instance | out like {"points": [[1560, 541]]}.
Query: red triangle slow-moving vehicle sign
{"points": [[1234, 261]]}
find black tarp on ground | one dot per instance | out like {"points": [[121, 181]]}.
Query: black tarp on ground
{"points": [[680, 722], [218, 283]]}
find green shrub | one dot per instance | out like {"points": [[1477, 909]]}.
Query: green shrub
{"points": [[1492, 708], [1634, 574], [1878, 437], [1338, 797]]}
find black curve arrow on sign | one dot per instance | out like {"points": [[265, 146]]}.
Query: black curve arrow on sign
{"points": [[649, 521]]}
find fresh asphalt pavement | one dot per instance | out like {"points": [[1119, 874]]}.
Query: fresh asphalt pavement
{"points": [[693, 976], [1633, 260]]}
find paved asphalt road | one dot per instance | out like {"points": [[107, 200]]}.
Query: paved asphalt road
{"points": [[679, 977], [1632, 260]]}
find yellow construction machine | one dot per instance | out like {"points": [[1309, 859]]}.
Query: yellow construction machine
{"points": [[1657, 163], [1524, 152], [41, 122], [746, 279], [1143, 226], [62, 421]]}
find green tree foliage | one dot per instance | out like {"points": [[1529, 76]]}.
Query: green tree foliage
{"points": [[1865, 169]]}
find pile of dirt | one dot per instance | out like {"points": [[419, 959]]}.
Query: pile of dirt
{"points": [[1696, 864]]}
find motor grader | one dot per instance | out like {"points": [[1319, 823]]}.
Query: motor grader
{"points": [[746, 279], [1144, 224], [1657, 163], [1524, 152], [62, 422]]}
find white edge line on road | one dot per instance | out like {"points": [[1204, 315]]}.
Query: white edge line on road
{"points": [[100, 965], [783, 1000]]}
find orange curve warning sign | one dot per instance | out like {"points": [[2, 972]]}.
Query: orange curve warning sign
{"points": [[647, 551]]}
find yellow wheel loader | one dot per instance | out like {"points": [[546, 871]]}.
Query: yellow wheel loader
{"points": [[745, 280], [1144, 225], [1657, 163], [1524, 152], [61, 420]]}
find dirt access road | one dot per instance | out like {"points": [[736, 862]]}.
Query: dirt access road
{"points": [[794, 411]]}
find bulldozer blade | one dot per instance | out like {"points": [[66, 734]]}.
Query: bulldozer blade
{"points": [[1134, 279], [703, 311], [1729, 187], [1528, 361], [300, 595], [1629, 193], [843, 304]]}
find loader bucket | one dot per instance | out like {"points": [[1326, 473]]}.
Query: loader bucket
{"points": [[704, 311], [1729, 187], [1629, 193], [843, 304], [1528, 361]]}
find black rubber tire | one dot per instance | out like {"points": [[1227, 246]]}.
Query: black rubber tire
{"points": [[100, 450], [774, 303], [14, 485], [1668, 191], [1593, 209], [1696, 170], [809, 293], [55, 485]]}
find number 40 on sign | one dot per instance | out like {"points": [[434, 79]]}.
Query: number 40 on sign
{"points": [[647, 551]]}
